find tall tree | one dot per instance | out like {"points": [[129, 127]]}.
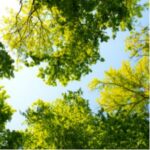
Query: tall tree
{"points": [[64, 123], [65, 34], [122, 131], [68, 123], [128, 87]]}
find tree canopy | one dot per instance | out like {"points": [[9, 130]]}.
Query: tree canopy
{"points": [[122, 131], [128, 87], [6, 63], [69, 123], [6, 112], [64, 36], [59, 124]]}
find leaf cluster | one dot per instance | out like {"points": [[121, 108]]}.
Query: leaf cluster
{"points": [[127, 87], [69, 123], [6, 63], [64, 35]]}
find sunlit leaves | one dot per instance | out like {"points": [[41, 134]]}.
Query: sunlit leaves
{"points": [[59, 124], [95, 82], [125, 88], [65, 35], [68, 123], [138, 43], [128, 87]]}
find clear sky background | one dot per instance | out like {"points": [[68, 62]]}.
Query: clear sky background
{"points": [[25, 88]]}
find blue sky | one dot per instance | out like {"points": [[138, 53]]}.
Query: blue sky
{"points": [[25, 88]]}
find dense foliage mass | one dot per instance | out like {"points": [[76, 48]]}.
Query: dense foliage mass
{"points": [[64, 35], [128, 87], [64, 42], [5, 110], [60, 124], [6, 63], [69, 123], [5, 115]]}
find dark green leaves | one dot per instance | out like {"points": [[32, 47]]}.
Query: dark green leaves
{"points": [[6, 63], [11, 139]]}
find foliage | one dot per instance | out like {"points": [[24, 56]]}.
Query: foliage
{"points": [[5, 110], [64, 42], [138, 43], [6, 63], [64, 35], [68, 123], [5, 115], [122, 131], [128, 87], [11, 139], [59, 124]]}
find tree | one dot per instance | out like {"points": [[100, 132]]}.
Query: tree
{"points": [[64, 42], [6, 63], [64, 123], [122, 131], [11, 139], [8, 139], [138, 44], [5, 110], [5, 115], [64, 36], [68, 123], [128, 87]]}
